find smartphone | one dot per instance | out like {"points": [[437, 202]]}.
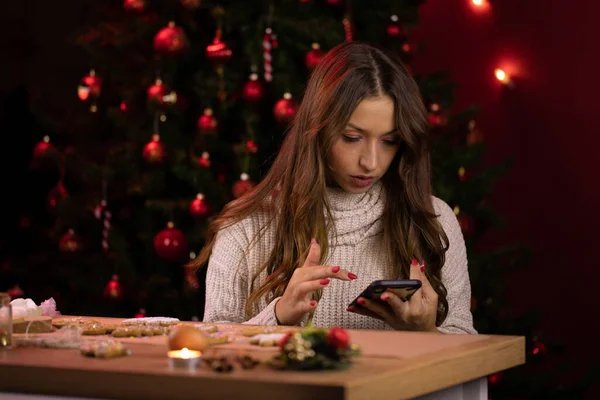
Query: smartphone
{"points": [[403, 288]]}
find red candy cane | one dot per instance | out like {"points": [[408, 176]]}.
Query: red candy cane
{"points": [[267, 55], [101, 212]]}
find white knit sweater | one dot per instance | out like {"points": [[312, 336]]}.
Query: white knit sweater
{"points": [[359, 250]]}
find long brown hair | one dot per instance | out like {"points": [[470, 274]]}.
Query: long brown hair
{"points": [[348, 73]]}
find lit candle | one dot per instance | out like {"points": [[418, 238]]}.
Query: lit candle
{"points": [[184, 358]]}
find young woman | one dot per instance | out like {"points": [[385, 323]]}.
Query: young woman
{"points": [[347, 201]]}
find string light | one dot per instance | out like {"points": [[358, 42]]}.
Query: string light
{"points": [[503, 77], [478, 3]]}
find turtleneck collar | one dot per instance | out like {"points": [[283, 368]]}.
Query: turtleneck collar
{"points": [[356, 216]]}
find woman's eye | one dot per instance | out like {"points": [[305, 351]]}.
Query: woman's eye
{"points": [[391, 142], [350, 138]]}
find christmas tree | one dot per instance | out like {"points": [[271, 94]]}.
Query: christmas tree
{"points": [[182, 109]]}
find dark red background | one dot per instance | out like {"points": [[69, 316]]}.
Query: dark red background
{"points": [[548, 123]]}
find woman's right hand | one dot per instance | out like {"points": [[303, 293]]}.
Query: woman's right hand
{"points": [[297, 300]]}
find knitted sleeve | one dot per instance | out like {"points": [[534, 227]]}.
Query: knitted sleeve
{"points": [[455, 274], [227, 282]]}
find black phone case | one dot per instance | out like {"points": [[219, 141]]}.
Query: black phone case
{"points": [[403, 288]]}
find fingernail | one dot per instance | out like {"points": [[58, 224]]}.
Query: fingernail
{"points": [[362, 302], [324, 282], [313, 303], [313, 241], [335, 270], [352, 276], [385, 297], [351, 308], [423, 269], [414, 262]]}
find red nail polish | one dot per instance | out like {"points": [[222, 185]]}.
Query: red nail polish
{"points": [[351, 308], [362, 302], [385, 298], [352, 276], [324, 282], [335, 270], [313, 241], [423, 269], [313, 303], [414, 262]]}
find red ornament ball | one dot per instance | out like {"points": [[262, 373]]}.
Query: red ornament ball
{"points": [[43, 154], [538, 348], [394, 29], [285, 109], [199, 207], [207, 123], [474, 135], [243, 186], [135, 5], [90, 86], [467, 224], [251, 146], [157, 91], [190, 4], [314, 56], [217, 52], [171, 40], [16, 292], [70, 242], [204, 161], [154, 151], [113, 289], [171, 244], [253, 89], [140, 314], [56, 196]]}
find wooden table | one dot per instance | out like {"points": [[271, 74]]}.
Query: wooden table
{"points": [[394, 365]]}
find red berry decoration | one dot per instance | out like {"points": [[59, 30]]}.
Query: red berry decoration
{"points": [[171, 244], [338, 338]]}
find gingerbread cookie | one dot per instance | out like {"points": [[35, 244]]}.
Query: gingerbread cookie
{"points": [[257, 330], [207, 328], [104, 349], [267, 339], [217, 338], [161, 321], [93, 329], [127, 331], [60, 322]]}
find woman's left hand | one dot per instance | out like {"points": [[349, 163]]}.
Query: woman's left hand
{"points": [[416, 314]]}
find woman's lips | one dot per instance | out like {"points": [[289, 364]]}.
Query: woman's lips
{"points": [[362, 181]]}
